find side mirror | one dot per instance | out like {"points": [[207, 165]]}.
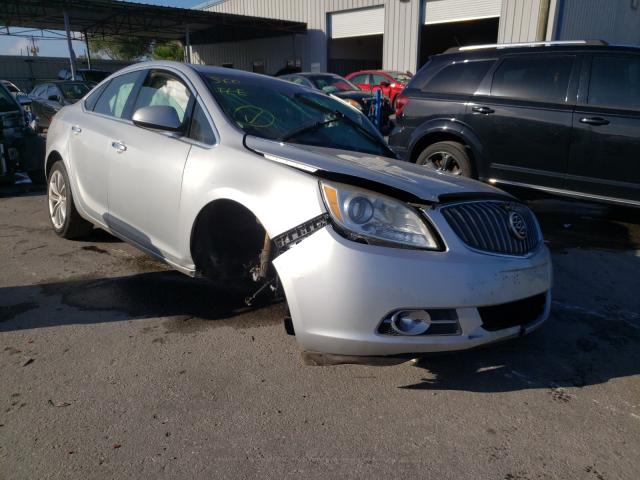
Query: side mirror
{"points": [[385, 84], [158, 117]]}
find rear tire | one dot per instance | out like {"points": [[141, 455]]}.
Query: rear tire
{"points": [[65, 219], [448, 157]]}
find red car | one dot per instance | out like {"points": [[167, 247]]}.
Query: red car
{"points": [[391, 83]]}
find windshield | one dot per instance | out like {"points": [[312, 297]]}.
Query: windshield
{"points": [[7, 103], [286, 112], [400, 77], [332, 83], [73, 91]]}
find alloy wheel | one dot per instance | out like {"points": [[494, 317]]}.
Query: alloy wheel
{"points": [[57, 199], [443, 162]]}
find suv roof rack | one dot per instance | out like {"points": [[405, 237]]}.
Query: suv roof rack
{"points": [[527, 44]]}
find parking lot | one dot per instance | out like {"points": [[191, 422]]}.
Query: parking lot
{"points": [[112, 366]]}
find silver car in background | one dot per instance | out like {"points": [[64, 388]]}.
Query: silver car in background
{"points": [[260, 184]]}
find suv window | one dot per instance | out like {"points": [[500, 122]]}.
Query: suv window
{"points": [[459, 77], [615, 82], [541, 78], [94, 96], [164, 89], [200, 129], [115, 97]]}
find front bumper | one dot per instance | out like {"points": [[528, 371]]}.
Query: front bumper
{"points": [[339, 291]]}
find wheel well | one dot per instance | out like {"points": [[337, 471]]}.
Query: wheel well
{"points": [[226, 240], [51, 159], [436, 137]]}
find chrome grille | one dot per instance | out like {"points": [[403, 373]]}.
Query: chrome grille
{"points": [[494, 226]]}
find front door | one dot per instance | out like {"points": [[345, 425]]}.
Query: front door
{"points": [[89, 147], [605, 151], [145, 176], [524, 117]]}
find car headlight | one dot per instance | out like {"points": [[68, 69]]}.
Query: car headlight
{"points": [[367, 215]]}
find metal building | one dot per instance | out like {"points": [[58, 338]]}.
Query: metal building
{"points": [[347, 35]]}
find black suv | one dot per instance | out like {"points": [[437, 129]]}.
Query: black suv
{"points": [[562, 117]]}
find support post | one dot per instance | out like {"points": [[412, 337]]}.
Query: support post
{"points": [[86, 42], [187, 47], [72, 56]]}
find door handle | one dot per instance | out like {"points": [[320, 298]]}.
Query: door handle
{"points": [[76, 129], [483, 110], [597, 121], [119, 146]]}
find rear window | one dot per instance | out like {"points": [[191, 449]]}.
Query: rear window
{"points": [[459, 77], [615, 82], [541, 78]]}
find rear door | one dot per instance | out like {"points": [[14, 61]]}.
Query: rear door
{"points": [[605, 152], [523, 118], [146, 166]]}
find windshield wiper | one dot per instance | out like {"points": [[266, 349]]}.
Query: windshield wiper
{"points": [[310, 128], [346, 118]]}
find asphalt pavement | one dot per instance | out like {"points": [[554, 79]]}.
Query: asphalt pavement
{"points": [[113, 366]]}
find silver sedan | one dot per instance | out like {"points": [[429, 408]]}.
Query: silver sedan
{"points": [[264, 186]]}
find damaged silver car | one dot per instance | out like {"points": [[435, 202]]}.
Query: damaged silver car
{"points": [[260, 185]]}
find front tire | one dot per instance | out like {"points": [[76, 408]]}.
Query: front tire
{"points": [[65, 219], [447, 157]]}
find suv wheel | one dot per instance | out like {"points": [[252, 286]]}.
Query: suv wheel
{"points": [[450, 157], [65, 219]]}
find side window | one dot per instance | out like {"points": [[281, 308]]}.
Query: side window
{"points": [[114, 99], [200, 129], [164, 89], [51, 91], [615, 82], [460, 77], [93, 97], [360, 79], [299, 81], [378, 79], [543, 78]]}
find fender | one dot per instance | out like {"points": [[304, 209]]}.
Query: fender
{"points": [[456, 128]]}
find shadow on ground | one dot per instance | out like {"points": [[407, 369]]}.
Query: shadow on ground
{"points": [[147, 295]]}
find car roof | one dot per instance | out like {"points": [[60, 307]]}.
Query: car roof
{"points": [[582, 46]]}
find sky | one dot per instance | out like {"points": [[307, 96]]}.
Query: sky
{"points": [[58, 48]]}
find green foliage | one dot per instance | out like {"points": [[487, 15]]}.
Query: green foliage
{"points": [[171, 50], [121, 48]]}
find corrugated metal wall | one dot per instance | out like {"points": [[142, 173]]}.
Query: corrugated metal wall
{"points": [[615, 21], [401, 25], [274, 52], [519, 20]]}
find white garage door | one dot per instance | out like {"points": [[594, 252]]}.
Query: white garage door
{"points": [[442, 11], [357, 23]]}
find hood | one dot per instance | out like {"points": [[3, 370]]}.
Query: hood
{"points": [[370, 171]]}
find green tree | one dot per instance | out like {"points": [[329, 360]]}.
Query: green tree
{"points": [[171, 50], [121, 48]]}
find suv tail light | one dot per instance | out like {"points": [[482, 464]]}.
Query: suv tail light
{"points": [[401, 103]]}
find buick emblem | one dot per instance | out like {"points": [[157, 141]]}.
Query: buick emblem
{"points": [[517, 225]]}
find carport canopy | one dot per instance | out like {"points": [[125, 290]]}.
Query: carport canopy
{"points": [[115, 17]]}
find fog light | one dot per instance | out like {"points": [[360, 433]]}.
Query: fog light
{"points": [[411, 322]]}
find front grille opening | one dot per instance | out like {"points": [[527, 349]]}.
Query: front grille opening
{"points": [[512, 314], [444, 321], [485, 225]]}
